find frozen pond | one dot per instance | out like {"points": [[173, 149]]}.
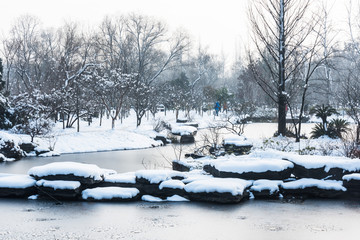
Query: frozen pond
{"points": [[255, 219]]}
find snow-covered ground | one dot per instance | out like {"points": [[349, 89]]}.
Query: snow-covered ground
{"points": [[127, 136]]}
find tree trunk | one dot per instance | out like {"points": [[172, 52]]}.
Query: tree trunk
{"points": [[282, 115], [113, 122], [281, 88], [101, 116]]}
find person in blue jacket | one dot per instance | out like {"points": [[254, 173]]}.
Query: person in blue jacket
{"points": [[217, 108]]}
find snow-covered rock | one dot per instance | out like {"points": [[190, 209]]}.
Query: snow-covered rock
{"points": [[69, 171], [266, 188], [249, 168], [111, 194], [15, 185], [219, 190], [320, 167], [183, 130], [157, 176], [308, 187], [58, 188], [352, 183], [237, 145]]}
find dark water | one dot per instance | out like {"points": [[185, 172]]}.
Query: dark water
{"points": [[254, 219]]}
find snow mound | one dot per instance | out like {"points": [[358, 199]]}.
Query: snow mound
{"points": [[326, 162], [183, 130], [174, 184], [174, 198], [71, 185], [221, 185], [310, 182], [236, 140], [157, 176], [128, 177], [109, 193], [353, 176], [261, 185], [68, 168], [17, 181], [241, 164]]}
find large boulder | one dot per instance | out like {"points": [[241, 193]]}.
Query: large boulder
{"points": [[352, 183], [313, 188], [237, 145], [266, 189], [323, 167], [171, 187], [186, 139], [217, 190], [249, 168], [69, 171], [186, 165], [148, 181], [59, 189], [14, 185]]}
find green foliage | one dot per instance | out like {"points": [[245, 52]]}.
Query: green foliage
{"points": [[336, 128], [339, 127], [2, 82], [323, 112]]}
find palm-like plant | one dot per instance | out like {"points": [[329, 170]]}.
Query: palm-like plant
{"points": [[323, 112], [339, 126]]}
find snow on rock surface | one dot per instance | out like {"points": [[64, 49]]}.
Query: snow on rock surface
{"points": [[157, 176], [68, 168], [353, 176], [183, 130], [237, 140], [309, 182], [128, 177], [245, 164], [174, 184], [221, 185], [174, 198], [263, 184], [58, 184], [110, 193], [149, 198], [328, 162], [17, 181]]}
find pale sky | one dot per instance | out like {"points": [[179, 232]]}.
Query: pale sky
{"points": [[221, 25]]}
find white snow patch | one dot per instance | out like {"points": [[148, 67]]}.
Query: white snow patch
{"points": [[173, 184], [263, 184], [149, 198], [157, 176], [33, 197], [309, 182], [17, 181], [128, 177], [66, 168], [177, 198], [353, 176], [234, 186], [237, 140], [329, 162], [108, 193], [183, 130], [242, 164], [58, 184]]}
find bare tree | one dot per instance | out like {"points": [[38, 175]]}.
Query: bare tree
{"points": [[280, 28]]}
